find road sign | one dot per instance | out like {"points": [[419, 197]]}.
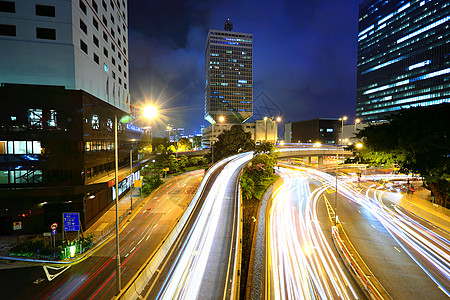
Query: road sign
{"points": [[47, 234], [54, 226], [138, 183], [53, 231], [71, 221], [17, 225]]}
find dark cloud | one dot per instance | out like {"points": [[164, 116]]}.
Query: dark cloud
{"points": [[304, 54]]}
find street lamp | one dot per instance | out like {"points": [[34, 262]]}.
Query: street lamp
{"points": [[149, 112], [337, 165], [357, 121], [221, 119]]}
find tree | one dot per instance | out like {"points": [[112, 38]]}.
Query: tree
{"points": [[183, 162], [418, 139], [171, 149], [160, 149], [184, 144], [233, 141], [197, 142], [156, 141]]}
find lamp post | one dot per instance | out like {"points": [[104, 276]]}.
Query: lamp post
{"points": [[265, 128], [337, 166], [116, 179], [221, 119], [131, 180], [149, 112], [357, 121]]}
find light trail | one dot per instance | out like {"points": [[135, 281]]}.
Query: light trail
{"points": [[186, 274], [427, 248], [301, 262]]}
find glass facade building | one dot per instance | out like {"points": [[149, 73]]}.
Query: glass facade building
{"points": [[403, 56], [228, 76]]}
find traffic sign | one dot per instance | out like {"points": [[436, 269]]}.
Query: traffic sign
{"points": [[54, 226], [17, 225], [53, 231], [71, 221]]}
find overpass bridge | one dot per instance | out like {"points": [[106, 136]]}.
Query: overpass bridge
{"points": [[309, 151]]}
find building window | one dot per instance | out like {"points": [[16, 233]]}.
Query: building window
{"points": [[96, 59], [83, 6], [95, 122], [104, 5], [94, 5], [118, 27], [105, 52], [120, 44], [113, 48], [35, 118], [46, 33], [125, 85], [83, 26], [95, 40], [83, 47], [113, 61], [8, 30], [45, 10], [7, 6], [113, 75], [112, 18], [113, 33], [125, 74], [105, 21], [124, 62], [95, 23], [105, 36], [105, 68], [120, 81], [120, 68]]}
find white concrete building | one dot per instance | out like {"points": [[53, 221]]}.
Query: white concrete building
{"points": [[78, 44], [261, 131]]}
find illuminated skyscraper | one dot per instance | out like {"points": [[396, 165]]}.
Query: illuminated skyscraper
{"points": [[228, 75], [403, 56]]}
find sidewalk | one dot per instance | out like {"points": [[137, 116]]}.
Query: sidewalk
{"points": [[101, 228], [420, 204]]}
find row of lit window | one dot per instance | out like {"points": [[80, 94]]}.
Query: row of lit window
{"points": [[20, 176], [391, 109], [20, 147], [98, 146]]}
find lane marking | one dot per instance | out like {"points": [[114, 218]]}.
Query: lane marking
{"points": [[50, 277], [373, 226], [397, 250]]}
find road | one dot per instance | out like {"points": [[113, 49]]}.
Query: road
{"points": [[300, 260], [201, 262], [408, 255], [94, 277]]}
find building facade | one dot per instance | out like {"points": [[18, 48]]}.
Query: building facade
{"points": [[78, 44], [228, 75], [403, 56], [57, 155], [63, 79], [325, 131]]}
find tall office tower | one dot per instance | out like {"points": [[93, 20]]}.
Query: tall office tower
{"points": [[403, 56], [229, 75], [78, 44]]}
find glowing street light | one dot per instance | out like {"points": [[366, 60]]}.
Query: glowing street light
{"points": [[150, 112], [359, 145], [221, 120]]}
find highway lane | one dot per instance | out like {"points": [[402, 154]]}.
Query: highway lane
{"points": [[300, 260], [381, 239], [200, 264], [94, 277]]}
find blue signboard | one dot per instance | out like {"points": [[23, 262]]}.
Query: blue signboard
{"points": [[71, 221]]}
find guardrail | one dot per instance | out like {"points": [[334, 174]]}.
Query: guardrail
{"points": [[366, 280], [135, 286]]}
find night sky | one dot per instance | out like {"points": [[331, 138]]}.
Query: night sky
{"points": [[304, 55]]}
